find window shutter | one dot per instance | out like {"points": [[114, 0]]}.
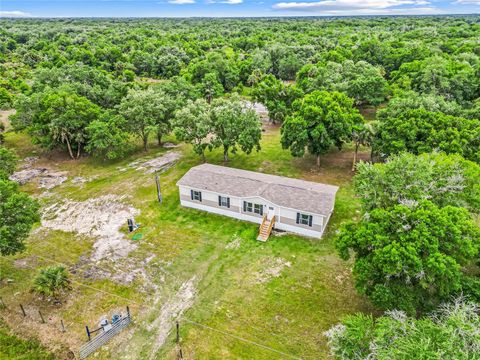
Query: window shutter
{"points": [[261, 210], [191, 194], [219, 200], [228, 202], [310, 218], [244, 206], [200, 195], [298, 218]]}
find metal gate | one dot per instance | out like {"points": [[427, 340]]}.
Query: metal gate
{"points": [[101, 339]]}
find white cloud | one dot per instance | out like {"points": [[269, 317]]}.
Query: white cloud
{"points": [[14, 13], [343, 5], [230, 2], [181, 2], [467, 2], [362, 7]]}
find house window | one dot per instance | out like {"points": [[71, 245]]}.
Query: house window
{"points": [[253, 208], [224, 201], [304, 219], [196, 195]]}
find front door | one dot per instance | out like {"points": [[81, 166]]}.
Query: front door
{"points": [[270, 213]]}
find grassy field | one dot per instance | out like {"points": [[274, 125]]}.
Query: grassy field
{"points": [[282, 294]]}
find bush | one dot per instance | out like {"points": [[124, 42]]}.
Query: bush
{"points": [[51, 281], [449, 333]]}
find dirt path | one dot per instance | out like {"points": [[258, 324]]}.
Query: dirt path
{"points": [[181, 301]]}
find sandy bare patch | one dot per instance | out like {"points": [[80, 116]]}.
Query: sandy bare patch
{"points": [[181, 301], [234, 244], [83, 180], [158, 164], [169, 145], [100, 218], [49, 180], [24, 176], [272, 268], [28, 162]]}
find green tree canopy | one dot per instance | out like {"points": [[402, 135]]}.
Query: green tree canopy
{"points": [[233, 126], [410, 257], [276, 96], [8, 162], [143, 110], [450, 332], [192, 124], [419, 131], [18, 212], [107, 136], [56, 118], [320, 120], [360, 81], [406, 178]]}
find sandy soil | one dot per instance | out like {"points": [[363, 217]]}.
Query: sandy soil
{"points": [[272, 268], [46, 178], [158, 164], [100, 218], [170, 310]]}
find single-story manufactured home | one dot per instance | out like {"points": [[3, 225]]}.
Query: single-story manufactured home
{"points": [[292, 205]]}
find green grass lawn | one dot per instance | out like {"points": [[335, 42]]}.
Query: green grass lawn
{"points": [[14, 348], [288, 312]]}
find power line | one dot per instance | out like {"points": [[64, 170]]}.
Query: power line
{"points": [[240, 338], [153, 308]]}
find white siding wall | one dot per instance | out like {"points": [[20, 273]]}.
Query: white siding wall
{"points": [[289, 215]]}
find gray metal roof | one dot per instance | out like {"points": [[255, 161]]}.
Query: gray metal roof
{"points": [[286, 192]]}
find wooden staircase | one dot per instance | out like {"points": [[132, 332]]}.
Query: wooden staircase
{"points": [[265, 228]]}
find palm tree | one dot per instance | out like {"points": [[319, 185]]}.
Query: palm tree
{"points": [[51, 281], [362, 135]]}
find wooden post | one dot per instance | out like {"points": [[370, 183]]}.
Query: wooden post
{"points": [[180, 355], [23, 310], [41, 317], [178, 332], [159, 190], [88, 332], [63, 326], [128, 311]]}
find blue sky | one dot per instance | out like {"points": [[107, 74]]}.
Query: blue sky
{"points": [[191, 8]]}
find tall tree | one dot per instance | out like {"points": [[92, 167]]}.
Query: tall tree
{"points": [[234, 126], [18, 212], [362, 135], [406, 179], [107, 136], [56, 118], [276, 96], [143, 110], [320, 120], [410, 257], [8, 162], [420, 131], [192, 124]]}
